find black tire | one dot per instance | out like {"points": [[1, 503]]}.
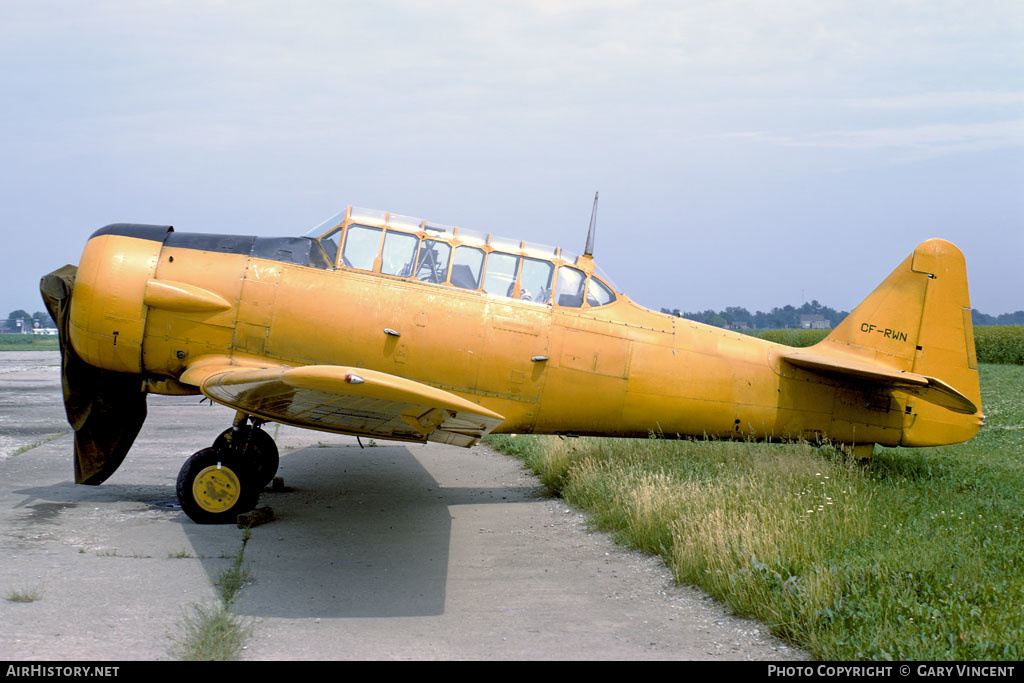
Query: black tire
{"points": [[214, 487], [254, 445]]}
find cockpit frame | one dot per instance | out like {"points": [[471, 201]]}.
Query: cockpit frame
{"points": [[401, 247]]}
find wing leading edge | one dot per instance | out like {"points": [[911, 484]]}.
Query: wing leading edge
{"points": [[345, 400]]}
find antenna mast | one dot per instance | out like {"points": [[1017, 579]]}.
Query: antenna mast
{"points": [[589, 250]]}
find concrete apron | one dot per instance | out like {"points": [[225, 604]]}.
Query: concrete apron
{"points": [[384, 552]]}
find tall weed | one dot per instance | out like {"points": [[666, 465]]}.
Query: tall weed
{"points": [[917, 554]]}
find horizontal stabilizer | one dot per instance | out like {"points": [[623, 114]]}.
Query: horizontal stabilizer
{"points": [[930, 389], [345, 400]]}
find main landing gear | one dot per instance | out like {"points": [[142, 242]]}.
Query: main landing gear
{"points": [[219, 483]]}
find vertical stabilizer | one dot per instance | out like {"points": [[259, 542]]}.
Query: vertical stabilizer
{"points": [[919, 320]]}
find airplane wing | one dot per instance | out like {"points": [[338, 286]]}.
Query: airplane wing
{"points": [[930, 389], [345, 400]]}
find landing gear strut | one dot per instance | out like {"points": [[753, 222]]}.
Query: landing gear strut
{"points": [[254, 444], [217, 484]]}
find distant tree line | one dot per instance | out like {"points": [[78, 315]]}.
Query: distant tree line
{"points": [[785, 317], [789, 317], [27, 321], [979, 318]]}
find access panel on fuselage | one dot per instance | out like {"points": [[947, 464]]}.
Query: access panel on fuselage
{"points": [[516, 350], [424, 332], [257, 305], [585, 388], [442, 335]]}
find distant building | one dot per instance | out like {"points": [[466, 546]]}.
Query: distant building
{"points": [[16, 325], [815, 321]]}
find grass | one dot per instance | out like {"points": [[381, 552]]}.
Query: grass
{"points": [[28, 447], [23, 595], [115, 553], [214, 632], [232, 580], [28, 342], [915, 555]]}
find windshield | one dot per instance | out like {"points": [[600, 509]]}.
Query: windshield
{"points": [[322, 227]]}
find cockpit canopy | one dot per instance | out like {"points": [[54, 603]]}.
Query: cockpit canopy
{"points": [[403, 247]]}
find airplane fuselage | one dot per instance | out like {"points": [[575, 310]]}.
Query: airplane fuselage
{"points": [[392, 327], [616, 370]]}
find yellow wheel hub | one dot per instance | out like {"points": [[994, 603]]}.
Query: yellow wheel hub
{"points": [[216, 488]]}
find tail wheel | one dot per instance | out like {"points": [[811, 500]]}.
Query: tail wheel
{"points": [[256, 446], [216, 486]]}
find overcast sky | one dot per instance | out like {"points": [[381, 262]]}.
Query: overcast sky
{"points": [[747, 153]]}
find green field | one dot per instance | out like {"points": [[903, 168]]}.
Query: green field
{"points": [[28, 342], [1000, 344], [915, 555]]}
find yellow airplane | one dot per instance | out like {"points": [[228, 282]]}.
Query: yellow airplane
{"points": [[381, 325]]}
